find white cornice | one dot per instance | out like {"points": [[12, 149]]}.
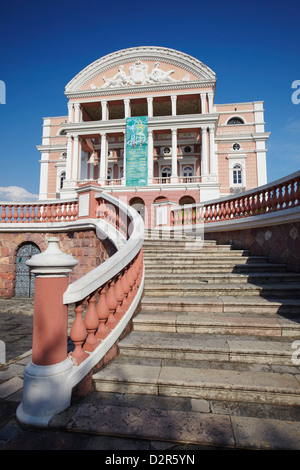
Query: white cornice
{"points": [[139, 89]]}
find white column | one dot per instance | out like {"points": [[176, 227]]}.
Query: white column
{"points": [[212, 154], [204, 151], [77, 108], [261, 162], [150, 156], [70, 112], [69, 157], [203, 103], [76, 154], [210, 102], [174, 155], [104, 110], [102, 175], [44, 176], [174, 100], [91, 166], [150, 106], [127, 108]]}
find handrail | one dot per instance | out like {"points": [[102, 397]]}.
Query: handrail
{"points": [[276, 196]]}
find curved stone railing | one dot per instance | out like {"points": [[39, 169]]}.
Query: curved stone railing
{"points": [[104, 301], [280, 195]]}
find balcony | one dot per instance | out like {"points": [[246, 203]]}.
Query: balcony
{"points": [[156, 181]]}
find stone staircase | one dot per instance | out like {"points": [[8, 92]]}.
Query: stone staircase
{"points": [[209, 360]]}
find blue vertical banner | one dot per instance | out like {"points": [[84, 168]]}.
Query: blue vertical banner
{"points": [[137, 151]]}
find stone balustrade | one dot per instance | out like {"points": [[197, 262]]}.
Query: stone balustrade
{"points": [[38, 212], [277, 196]]}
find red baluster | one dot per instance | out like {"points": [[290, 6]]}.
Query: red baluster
{"points": [[126, 289], [15, 216], [112, 305], [3, 214], [102, 312], [59, 213], [38, 214], [9, 214], [91, 323], [78, 335], [74, 211], [120, 297]]}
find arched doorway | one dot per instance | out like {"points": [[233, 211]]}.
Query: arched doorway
{"points": [[24, 285], [186, 200], [138, 204]]}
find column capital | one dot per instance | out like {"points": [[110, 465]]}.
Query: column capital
{"points": [[174, 130], [203, 129], [211, 128]]}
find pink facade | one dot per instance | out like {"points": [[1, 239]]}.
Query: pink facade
{"points": [[197, 150]]}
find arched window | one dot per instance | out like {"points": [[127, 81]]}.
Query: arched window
{"points": [[166, 172], [235, 121], [186, 200], [187, 171], [62, 178], [237, 175]]}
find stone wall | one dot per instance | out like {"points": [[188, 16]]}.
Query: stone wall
{"points": [[84, 245], [279, 243]]}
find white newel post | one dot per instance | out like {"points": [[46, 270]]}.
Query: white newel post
{"points": [[45, 389]]}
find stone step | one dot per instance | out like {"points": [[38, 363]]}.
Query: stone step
{"points": [[196, 246], [193, 253], [218, 323], [169, 423], [210, 278], [202, 258], [163, 240], [222, 289], [213, 268], [222, 304], [216, 384], [201, 347]]}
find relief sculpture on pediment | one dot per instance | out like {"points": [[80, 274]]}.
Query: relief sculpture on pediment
{"points": [[138, 75]]}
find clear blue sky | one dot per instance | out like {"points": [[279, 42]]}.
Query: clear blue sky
{"points": [[253, 47]]}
